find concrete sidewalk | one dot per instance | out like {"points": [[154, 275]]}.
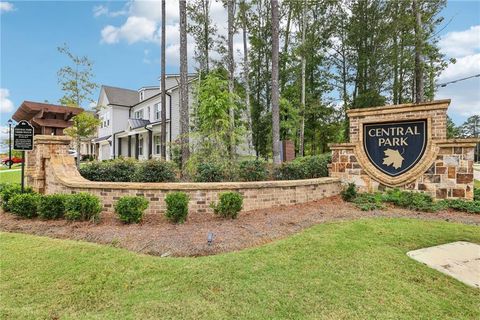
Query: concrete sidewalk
{"points": [[460, 260]]}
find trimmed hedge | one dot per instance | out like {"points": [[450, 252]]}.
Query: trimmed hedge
{"points": [[308, 167], [130, 208], [8, 191], [209, 172], [117, 170], [24, 204], [156, 171], [177, 206], [83, 207], [253, 170], [229, 205], [127, 170], [52, 206]]}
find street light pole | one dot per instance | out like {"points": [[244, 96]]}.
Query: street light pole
{"points": [[10, 143]]}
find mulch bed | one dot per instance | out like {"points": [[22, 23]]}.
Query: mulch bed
{"points": [[156, 236]]}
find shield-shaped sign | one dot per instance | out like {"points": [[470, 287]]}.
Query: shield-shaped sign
{"points": [[395, 147]]}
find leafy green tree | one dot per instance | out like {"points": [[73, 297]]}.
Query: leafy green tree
{"points": [[213, 113], [471, 129], [203, 31], [452, 130], [75, 79], [84, 126]]}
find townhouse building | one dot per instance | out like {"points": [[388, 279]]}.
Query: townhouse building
{"points": [[131, 120]]}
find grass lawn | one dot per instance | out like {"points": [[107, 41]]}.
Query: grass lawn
{"points": [[11, 176], [341, 270], [477, 184]]}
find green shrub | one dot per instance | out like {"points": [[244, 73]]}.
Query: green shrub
{"points": [[463, 205], [308, 167], [369, 201], [411, 200], [52, 206], [130, 209], [4, 185], [253, 170], [293, 170], [24, 204], [83, 206], [177, 206], [117, 170], [156, 171], [93, 171], [229, 205], [9, 191], [349, 193], [476, 194], [315, 166], [209, 172]]}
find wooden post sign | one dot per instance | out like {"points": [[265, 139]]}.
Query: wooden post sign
{"points": [[23, 141]]}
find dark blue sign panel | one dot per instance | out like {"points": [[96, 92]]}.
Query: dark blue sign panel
{"points": [[395, 147]]}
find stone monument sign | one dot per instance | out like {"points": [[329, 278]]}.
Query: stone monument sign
{"points": [[405, 146]]}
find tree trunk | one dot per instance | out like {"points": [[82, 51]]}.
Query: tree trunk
{"points": [[418, 53], [206, 31], [275, 89], [246, 76], [184, 121], [304, 63], [231, 75], [163, 138]]}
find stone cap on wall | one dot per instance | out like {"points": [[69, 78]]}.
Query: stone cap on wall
{"points": [[48, 139], [400, 108]]}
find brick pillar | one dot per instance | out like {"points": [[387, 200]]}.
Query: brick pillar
{"points": [[44, 146]]}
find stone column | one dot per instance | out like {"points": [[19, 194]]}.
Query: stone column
{"points": [[44, 147]]}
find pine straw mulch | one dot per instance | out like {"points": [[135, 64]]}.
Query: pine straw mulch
{"points": [[156, 236]]}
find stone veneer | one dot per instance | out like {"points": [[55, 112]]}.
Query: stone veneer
{"points": [[445, 170], [49, 169]]}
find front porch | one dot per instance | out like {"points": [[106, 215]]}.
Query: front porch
{"points": [[140, 143]]}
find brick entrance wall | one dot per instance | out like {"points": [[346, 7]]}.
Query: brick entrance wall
{"points": [[50, 169], [445, 170]]}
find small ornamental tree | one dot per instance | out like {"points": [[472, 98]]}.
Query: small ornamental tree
{"points": [[84, 126]]}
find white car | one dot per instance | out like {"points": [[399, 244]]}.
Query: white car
{"points": [[72, 152]]}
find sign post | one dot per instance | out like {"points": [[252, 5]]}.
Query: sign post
{"points": [[23, 141]]}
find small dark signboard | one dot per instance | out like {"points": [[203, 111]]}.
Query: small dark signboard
{"points": [[23, 136], [395, 147]]}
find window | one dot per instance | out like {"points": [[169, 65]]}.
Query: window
{"points": [[138, 114], [148, 113], [158, 111], [156, 141], [140, 146], [141, 95]]}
